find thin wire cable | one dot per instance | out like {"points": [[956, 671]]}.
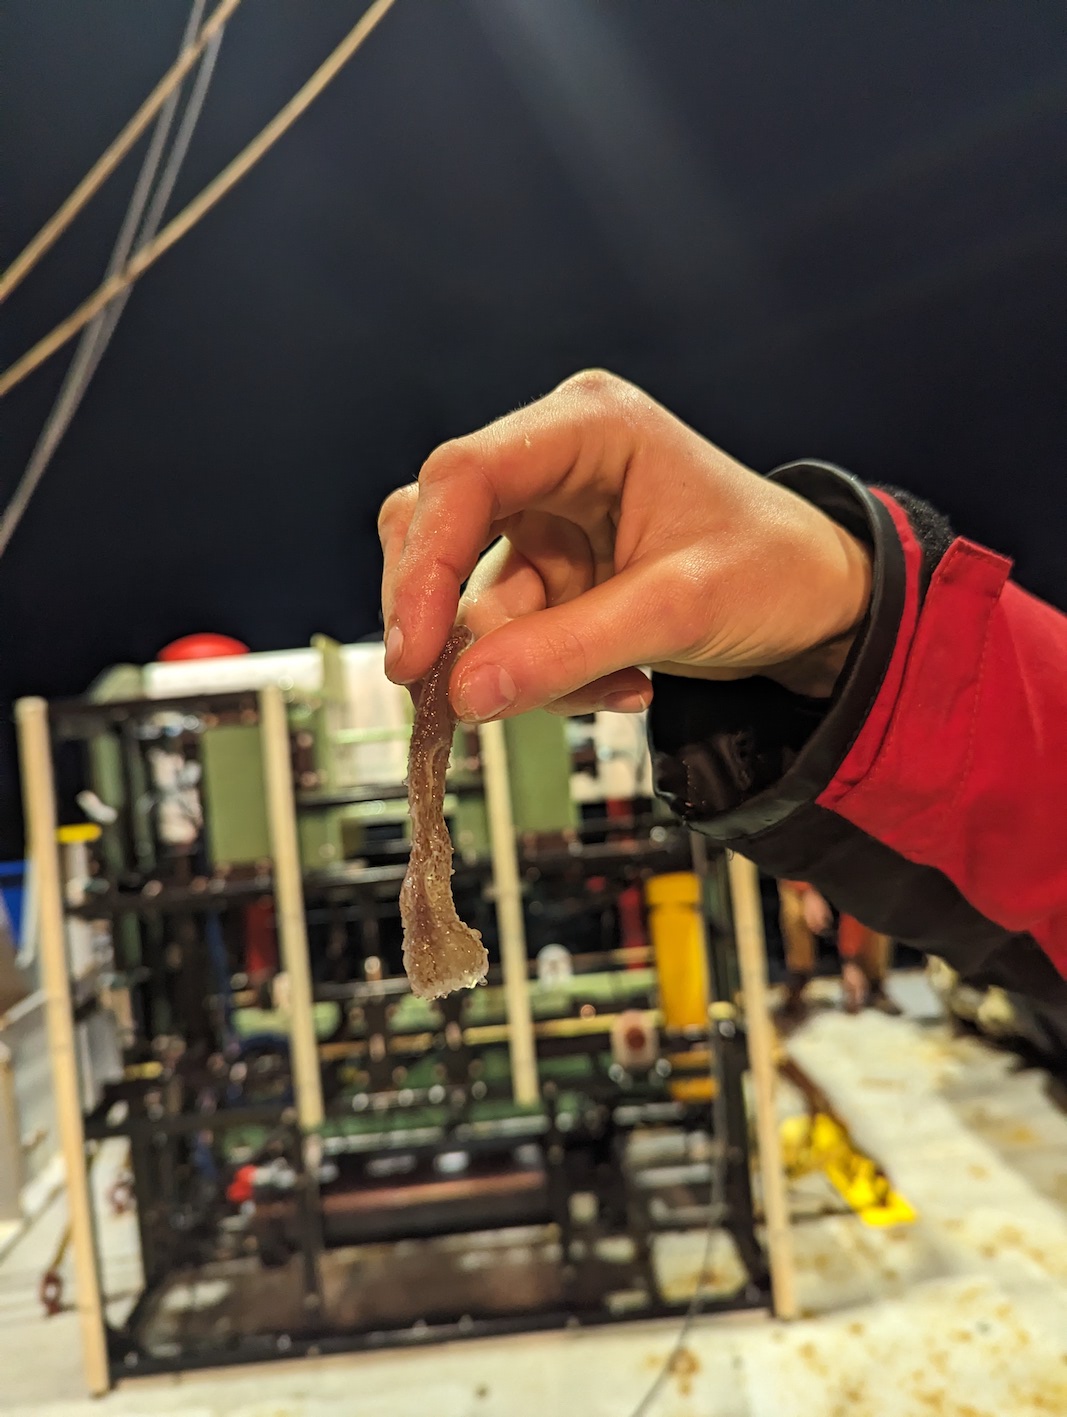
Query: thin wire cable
{"points": [[201, 204], [716, 1198], [167, 180], [153, 157], [97, 335], [110, 317], [105, 165], [691, 1313]]}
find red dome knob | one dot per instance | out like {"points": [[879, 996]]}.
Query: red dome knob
{"points": [[202, 647]]}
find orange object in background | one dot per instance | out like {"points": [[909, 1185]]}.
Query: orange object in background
{"points": [[243, 1186], [261, 941], [853, 939], [632, 923], [857, 945]]}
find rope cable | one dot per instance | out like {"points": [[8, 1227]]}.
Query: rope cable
{"points": [[97, 335], [198, 208], [169, 175], [106, 164]]}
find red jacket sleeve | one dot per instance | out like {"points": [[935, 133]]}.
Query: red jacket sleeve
{"points": [[928, 797], [961, 763]]}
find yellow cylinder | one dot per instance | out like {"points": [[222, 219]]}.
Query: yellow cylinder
{"points": [[676, 927]]}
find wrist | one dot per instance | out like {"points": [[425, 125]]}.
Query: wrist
{"points": [[814, 671], [814, 674]]}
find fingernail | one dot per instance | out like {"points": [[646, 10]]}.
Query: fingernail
{"points": [[394, 648], [628, 701], [485, 692]]}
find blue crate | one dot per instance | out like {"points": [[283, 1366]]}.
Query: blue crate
{"points": [[12, 877]]}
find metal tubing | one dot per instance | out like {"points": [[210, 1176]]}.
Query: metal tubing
{"points": [[752, 961], [38, 789], [289, 905], [510, 925]]}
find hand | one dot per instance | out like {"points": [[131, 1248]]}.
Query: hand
{"points": [[622, 538], [817, 914]]}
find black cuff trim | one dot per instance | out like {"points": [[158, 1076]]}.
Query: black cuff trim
{"points": [[931, 528]]}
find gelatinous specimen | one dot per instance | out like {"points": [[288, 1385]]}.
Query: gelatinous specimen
{"points": [[440, 952]]}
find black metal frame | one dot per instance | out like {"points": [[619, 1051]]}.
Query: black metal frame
{"points": [[127, 1362], [128, 1356], [591, 1148]]}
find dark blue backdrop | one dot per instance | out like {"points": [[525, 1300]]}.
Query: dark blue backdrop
{"points": [[822, 229]]}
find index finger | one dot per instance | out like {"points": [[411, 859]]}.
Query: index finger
{"points": [[556, 450]]}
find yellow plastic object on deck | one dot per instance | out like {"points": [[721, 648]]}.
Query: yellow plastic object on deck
{"points": [[821, 1143], [78, 834], [676, 927]]}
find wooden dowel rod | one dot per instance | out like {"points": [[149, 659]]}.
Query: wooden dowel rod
{"points": [[289, 905], [752, 963], [38, 792], [507, 893]]}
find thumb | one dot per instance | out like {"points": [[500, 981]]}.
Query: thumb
{"points": [[549, 654]]}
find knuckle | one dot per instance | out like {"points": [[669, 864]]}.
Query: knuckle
{"points": [[598, 384], [680, 604], [460, 470], [453, 460], [394, 506], [565, 655], [665, 598]]}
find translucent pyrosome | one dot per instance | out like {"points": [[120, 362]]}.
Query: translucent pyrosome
{"points": [[441, 953]]}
